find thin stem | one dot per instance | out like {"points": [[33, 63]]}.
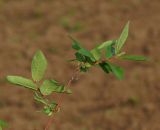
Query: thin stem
{"points": [[74, 76], [49, 123]]}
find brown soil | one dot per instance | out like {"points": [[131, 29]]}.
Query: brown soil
{"points": [[99, 101]]}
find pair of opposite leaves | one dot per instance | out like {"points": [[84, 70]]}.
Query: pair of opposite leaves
{"points": [[38, 68]]}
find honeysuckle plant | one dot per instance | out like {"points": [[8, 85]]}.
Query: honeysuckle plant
{"points": [[100, 56]]}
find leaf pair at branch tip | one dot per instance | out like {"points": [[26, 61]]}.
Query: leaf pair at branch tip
{"points": [[118, 44], [38, 67]]}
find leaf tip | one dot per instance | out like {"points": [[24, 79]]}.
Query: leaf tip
{"points": [[8, 78]]}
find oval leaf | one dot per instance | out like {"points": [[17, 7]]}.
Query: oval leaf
{"points": [[122, 39], [96, 53], [76, 44], [50, 86], [24, 82], [47, 110], [106, 44], [40, 99], [134, 57], [86, 53], [105, 67], [39, 65], [80, 57], [110, 51], [117, 71]]}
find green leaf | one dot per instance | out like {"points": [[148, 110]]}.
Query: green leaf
{"points": [[53, 105], [122, 39], [121, 54], [39, 65], [88, 65], [21, 81], [3, 124], [90, 61], [80, 57], [40, 99], [105, 44], [76, 44], [96, 54], [134, 57], [84, 68], [50, 86], [86, 53], [81, 51], [110, 51], [47, 110], [117, 71], [106, 68], [0, 128]]}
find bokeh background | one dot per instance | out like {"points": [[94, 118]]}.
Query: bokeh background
{"points": [[99, 101]]}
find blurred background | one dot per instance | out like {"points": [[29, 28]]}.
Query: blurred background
{"points": [[99, 101]]}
